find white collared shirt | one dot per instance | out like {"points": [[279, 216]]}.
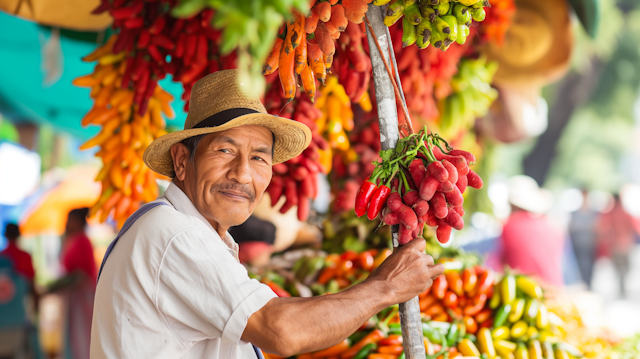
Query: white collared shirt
{"points": [[172, 288]]}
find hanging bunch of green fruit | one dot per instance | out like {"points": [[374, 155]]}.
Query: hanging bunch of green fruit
{"points": [[434, 22]]}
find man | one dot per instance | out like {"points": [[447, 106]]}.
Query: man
{"points": [[582, 230], [172, 287], [530, 243]]}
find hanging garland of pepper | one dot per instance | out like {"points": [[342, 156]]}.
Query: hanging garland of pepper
{"points": [[126, 181]]}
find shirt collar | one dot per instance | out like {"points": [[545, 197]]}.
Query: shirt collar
{"points": [[183, 204]]}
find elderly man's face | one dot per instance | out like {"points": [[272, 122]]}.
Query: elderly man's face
{"points": [[229, 174]]}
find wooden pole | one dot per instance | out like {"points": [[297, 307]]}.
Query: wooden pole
{"points": [[388, 119]]}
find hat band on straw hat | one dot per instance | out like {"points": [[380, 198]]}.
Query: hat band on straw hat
{"points": [[223, 117]]}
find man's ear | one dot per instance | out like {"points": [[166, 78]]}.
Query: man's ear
{"points": [[180, 155]]}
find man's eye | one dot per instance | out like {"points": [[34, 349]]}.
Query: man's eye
{"points": [[225, 150], [258, 158]]}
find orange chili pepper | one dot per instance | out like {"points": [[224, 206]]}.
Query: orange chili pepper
{"points": [[373, 337], [334, 350], [301, 55], [469, 279], [327, 274], [470, 324], [442, 317], [425, 293], [486, 324], [439, 287], [365, 260], [391, 349], [381, 356], [285, 71], [454, 281], [477, 304], [393, 339], [271, 64], [426, 302], [434, 310], [483, 316]]}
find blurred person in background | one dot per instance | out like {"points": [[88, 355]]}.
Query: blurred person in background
{"points": [[78, 285], [530, 243], [582, 230], [21, 259], [616, 237]]}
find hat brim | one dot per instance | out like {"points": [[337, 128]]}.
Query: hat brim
{"points": [[292, 138]]}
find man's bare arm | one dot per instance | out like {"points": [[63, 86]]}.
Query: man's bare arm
{"points": [[287, 326]]}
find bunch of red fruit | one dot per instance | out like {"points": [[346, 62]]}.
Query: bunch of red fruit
{"points": [[419, 183]]}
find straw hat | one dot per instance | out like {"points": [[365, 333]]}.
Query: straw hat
{"points": [[218, 103]]}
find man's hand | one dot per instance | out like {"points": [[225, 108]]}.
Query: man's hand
{"points": [[407, 272], [288, 326]]}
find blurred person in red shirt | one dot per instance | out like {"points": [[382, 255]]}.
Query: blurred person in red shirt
{"points": [[530, 243], [616, 237], [21, 259], [78, 285]]}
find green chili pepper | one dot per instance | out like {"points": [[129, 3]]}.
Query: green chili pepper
{"points": [[431, 334], [453, 335], [502, 315], [365, 351], [441, 352], [401, 356]]}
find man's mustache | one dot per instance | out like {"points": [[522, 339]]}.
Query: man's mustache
{"points": [[235, 187]]}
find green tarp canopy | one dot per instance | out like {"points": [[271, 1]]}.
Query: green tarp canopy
{"points": [[25, 97]]}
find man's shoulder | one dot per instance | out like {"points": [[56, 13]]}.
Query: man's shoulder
{"points": [[167, 220]]}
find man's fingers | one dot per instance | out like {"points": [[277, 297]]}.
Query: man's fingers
{"points": [[436, 270], [429, 260], [418, 243]]}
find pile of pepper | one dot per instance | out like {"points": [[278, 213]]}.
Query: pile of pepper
{"points": [[419, 183], [126, 181], [296, 179]]}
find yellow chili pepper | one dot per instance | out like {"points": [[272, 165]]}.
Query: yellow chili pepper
{"points": [[517, 308], [508, 289], [529, 287], [507, 356], [505, 347], [468, 349], [535, 350], [546, 335], [531, 309], [521, 352], [519, 329], [495, 301], [561, 354], [532, 332], [486, 343], [542, 319], [547, 350], [501, 333]]}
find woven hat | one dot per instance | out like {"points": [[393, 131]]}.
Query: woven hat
{"points": [[218, 103]]}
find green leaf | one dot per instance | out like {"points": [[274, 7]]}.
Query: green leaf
{"points": [[387, 155]]}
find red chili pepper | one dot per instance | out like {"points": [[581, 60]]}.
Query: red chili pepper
{"points": [[190, 49], [439, 287], [378, 200], [471, 159], [485, 281], [163, 41], [454, 282], [484, 315], [277, 289], [450, 299], [128, 70], [477, 304], [193, 72], [155, 53], [474, 180], [205, 18], [127, 12], [180, 46], [134, 23], [364, 196], [143, 39], [202, 52], [469, 279], [158, 25], [192, 27], [177, 28], [124, 37]]}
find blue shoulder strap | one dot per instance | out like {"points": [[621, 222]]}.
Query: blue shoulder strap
{"points": [[127, 224]]}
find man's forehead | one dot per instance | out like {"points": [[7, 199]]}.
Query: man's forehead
{"points": [[241, 134]]}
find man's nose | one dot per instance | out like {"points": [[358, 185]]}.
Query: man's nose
{"points": [[240, 170]]}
